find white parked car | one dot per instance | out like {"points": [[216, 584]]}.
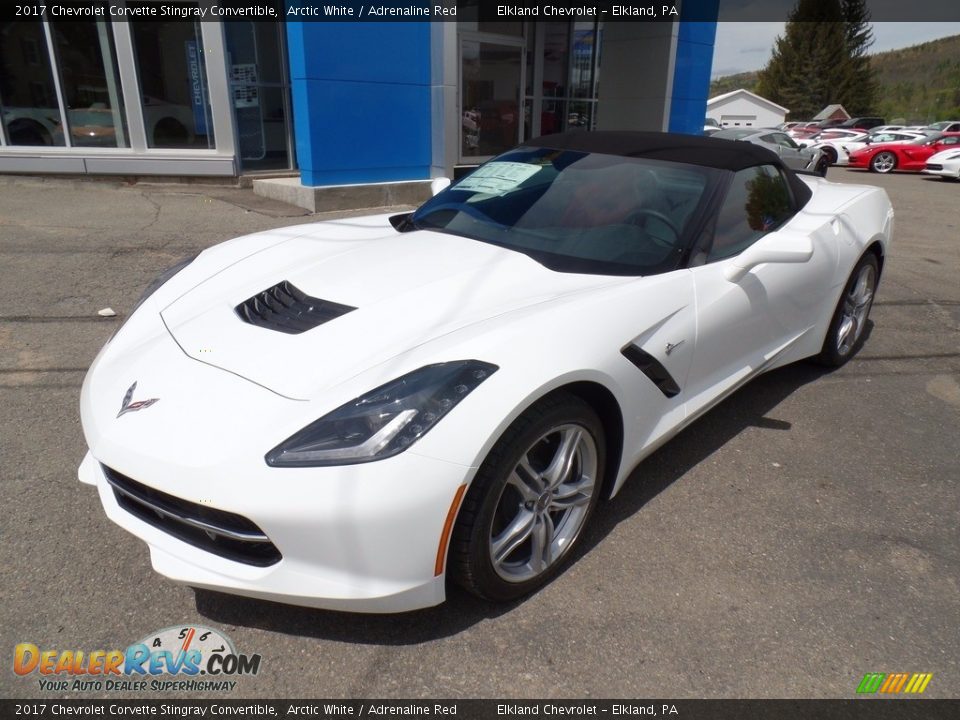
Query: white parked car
{"points": [[840, 151], [943, 126], [830, 134], [348, 414], [946, 164]]}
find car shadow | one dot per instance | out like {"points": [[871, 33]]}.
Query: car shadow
{"points": [[744, 409]]}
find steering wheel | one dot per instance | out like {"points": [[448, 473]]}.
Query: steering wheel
{"points": [[634, 218]]}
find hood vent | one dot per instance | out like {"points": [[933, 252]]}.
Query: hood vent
{"points": [[287, 309]]}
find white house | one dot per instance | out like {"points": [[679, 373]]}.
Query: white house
{"points": [[742, 108]]}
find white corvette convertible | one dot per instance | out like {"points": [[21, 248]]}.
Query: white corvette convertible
{"points": [[349, 414]]}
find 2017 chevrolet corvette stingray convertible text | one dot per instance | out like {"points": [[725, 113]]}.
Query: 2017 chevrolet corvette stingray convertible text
{"points": [[348, 414]]}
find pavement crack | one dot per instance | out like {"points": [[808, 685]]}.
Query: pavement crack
{"points": [[156, 210]]}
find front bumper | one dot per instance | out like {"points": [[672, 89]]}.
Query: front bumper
{"points": [[943, 170], [360, 537], [362, 542]]}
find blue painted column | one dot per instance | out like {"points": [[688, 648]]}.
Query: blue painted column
{"points": [[361, 101], [694, 61]]}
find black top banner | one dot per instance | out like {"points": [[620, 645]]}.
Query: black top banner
{"points": [[485, 11], [872, 709]]}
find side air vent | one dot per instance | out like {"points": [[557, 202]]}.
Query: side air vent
{"points": [[287, 309], [652, 368]]}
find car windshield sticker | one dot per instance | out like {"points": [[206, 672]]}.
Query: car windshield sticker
{"points": [[498, 178]]}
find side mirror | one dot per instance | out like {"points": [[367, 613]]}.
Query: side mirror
{"points": [[439, 184], [774, 248]]}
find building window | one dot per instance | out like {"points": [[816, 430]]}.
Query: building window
{"points": [[92, 96], [490, 82], [28, 99], [169, 58]]}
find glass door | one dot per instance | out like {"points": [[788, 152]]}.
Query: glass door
{"points": [[260, 94], [491, 88], [562, 77]]}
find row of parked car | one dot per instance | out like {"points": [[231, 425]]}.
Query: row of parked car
{"points": [[860, 143], [885, 148]]}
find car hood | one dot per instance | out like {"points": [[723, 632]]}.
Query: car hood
{"points": [[953, 154], [406, 290]]}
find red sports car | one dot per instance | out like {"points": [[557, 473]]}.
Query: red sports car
{"points": [[886, 157]]}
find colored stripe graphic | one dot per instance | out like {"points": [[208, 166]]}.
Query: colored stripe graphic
{"points": [[894, 683], [871, 682], [922, 684]]}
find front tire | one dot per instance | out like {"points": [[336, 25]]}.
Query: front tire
{"points": [[822, 165], [530, 501], [883, 162], [845, 335]]}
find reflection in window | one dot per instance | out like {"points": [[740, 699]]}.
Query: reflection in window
{"points": [[259, 92], [491, 91], [569, 76], [28, 99], [757, 202], [173, 80], [90, 84]]}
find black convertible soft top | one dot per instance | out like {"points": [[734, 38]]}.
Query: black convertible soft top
{"points": [[701, 150]]}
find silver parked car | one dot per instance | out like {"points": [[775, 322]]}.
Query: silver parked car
{"points": [[793, 155]]}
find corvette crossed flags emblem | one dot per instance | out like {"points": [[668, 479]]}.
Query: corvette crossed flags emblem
{"points": [[127, 406]]}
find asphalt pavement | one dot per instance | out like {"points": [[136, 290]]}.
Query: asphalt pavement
{"points": [[800, 535]]}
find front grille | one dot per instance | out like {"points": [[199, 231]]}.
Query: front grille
{"points": [[219, 532], [934, 166], [287, 309]]}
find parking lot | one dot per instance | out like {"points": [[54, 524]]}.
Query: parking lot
{"points": [[800, 535]]}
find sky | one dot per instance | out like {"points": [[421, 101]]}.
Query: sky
{"points": [[746, 46]]}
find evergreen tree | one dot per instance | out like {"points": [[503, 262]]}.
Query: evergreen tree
{"points": [[861, 89], [821, 59]]}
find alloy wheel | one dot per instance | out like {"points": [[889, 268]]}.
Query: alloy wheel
{"points": [[856, 307], [884, 162], [544, 503]]}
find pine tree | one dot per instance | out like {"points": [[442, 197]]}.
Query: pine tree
{"points": [[861, 89], [821, 59]]}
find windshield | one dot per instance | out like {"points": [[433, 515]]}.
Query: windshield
{"points": [[575, 211]]}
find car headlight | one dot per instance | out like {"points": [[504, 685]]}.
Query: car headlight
{"points": [[162, 278], [385, 421]]}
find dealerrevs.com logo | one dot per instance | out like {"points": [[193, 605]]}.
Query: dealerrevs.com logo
{"points": [[188, 658]]}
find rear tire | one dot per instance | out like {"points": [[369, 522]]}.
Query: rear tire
{"points": [[845, 335], [531, 499]]}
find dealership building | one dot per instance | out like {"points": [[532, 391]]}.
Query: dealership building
{"points": [[309, 106]]}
